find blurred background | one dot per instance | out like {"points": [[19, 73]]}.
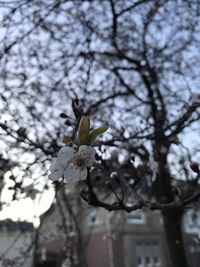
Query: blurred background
{"points": [[131, 64]]}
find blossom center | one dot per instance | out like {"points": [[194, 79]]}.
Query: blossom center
{"points": [[80, 162]]}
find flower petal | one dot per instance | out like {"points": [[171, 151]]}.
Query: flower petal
{"points": [[55, 165], [87, 152], [55, 176], [65, 154], [74, 174]]}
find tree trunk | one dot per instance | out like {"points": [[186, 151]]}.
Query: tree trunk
{"points": [[172, 218], [173, 233]]}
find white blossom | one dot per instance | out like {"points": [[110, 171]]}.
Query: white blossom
{"points": [[72, 165]]}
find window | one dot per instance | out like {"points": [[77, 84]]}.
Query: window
{"points": [[147, 260], [148, 254], [43, 254], [139, 261], [94, 216], [137, 217], [194, 248], [71, 230], [191, 221]]}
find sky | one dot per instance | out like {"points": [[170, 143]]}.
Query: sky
{"points": [[27, 209]]}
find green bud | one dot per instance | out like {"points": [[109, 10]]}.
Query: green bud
{"points": [[83, 130], [95, 133], [66, 140]]}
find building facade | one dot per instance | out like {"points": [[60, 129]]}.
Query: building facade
{"points": [[109, 239], [16, 243]]}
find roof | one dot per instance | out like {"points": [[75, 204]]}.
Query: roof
{"points": [[22, 226]]}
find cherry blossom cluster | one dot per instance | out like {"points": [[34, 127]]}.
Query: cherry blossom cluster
{"points": [[72, 164], [74, 159]]}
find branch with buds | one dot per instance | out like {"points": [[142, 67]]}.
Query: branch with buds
{"points": [[76, 160]]}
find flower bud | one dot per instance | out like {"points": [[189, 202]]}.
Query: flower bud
{"points": [[83, 191], [114, 176], [63, 115], [68, 123], [194, 166], [176, 191]]}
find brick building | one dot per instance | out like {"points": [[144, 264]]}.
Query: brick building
{"points": [[16, 243], [109, 239]]}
